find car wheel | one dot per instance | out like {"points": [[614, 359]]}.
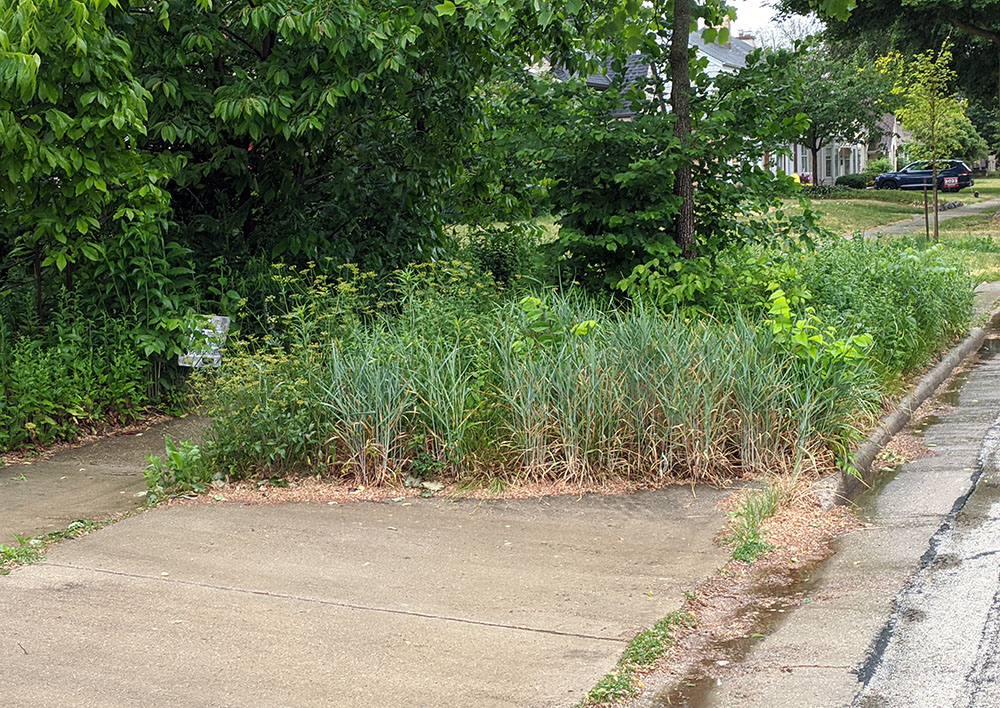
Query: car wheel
{"points": [[889, 184]]}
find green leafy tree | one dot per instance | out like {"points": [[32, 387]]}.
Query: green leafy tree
{"points": [[912, 26], [615, 180], [84, 208], [843, 100], [329, 130], [930, 111]]}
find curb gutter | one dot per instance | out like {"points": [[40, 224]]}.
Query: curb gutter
{"points": [[844, 488]]}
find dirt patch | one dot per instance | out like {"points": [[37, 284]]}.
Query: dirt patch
{"points": [[324, 490], [742, 602]]}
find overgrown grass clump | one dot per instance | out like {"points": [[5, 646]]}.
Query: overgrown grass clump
{"points": [[640, 655], [912, 300], [454, 378]]}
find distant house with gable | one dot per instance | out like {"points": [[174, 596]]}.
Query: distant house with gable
{"points": [[838, 158]]}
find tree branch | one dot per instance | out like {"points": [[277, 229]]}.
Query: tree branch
{"points": [[977, 31]]}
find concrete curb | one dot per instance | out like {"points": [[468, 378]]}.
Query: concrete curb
{"points": [[844, 488]]}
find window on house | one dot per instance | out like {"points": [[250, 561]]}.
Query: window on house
{"points": [[804, 158], [828, 159]]}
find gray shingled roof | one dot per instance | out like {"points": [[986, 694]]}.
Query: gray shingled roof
{"points": [[733, 53]]}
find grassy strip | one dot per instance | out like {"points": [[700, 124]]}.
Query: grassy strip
{"points": [[31, 550], [640, 655]]}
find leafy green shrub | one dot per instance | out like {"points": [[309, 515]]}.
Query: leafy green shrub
{"points": [[737, 278], [548, 387], [505, 252], [855, 181], [878, 166], [80, 374], [827, 191], [913, 301], [182, 470]]}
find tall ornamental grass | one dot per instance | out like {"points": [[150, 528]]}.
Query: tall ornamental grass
{"points": [[455, 380]]}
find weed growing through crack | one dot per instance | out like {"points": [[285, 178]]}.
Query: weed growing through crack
{"points": [[640, 655], [31, 550], [745, 522], [26, 551]]}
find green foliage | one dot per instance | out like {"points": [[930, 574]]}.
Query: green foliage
{"points": [[931, 112], [30, 550], [181, 470], [547, 387], [641, 655], [827, 191], [878, 166], [745, 521], [913, 300], [809, 339], [858, 181], [81, 204], [507, 252], [85, 373], [844, 101], [312, 133], [26, 552], [613, 178]]}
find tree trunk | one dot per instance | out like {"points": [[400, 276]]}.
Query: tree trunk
{"points": [[814, 151], [680, 103], [934, 165], [935, 172]]}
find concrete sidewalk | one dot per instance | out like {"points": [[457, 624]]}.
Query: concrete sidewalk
{"points": [[817, 656], [438, 603], [916, 223], [92, 481]]}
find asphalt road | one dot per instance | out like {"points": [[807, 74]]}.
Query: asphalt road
{"points": [[942, 645], [907, 611]]}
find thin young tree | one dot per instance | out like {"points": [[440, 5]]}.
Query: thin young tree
{"points": [[930, 110]]}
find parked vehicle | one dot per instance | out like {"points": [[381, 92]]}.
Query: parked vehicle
{"points": [[953, 175]]}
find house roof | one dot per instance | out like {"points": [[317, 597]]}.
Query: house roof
{"points": [[732, 54]]}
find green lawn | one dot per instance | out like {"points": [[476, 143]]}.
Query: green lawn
{"points": [[975, 239], [868, 209], [848, 216]]}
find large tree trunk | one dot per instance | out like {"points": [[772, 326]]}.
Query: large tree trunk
{"points": [[680, 103], [814, 151]]}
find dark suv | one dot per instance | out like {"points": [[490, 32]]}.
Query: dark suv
{"points": [[953, 175]]}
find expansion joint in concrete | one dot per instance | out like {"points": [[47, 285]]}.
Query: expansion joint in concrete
{"points": [[339, 603]]}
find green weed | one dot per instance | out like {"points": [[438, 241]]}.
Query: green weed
{"points": [[31, 550], [641, 654], [745, 522], [182, 469]]}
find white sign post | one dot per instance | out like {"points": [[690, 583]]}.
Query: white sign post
{"points": [[205, 343]]}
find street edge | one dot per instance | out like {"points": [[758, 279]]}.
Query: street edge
{"points": [[845, 487]]}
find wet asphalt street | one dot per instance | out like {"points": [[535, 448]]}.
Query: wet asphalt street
{"points": [[942, 645]]}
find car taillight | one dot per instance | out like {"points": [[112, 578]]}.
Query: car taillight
{"points": [[965, 173]]}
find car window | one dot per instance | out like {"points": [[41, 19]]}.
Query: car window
{"points": [[912, 167], [927, 166]]}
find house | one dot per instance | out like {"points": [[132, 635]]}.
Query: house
{"points": [[836, 159], [887, 143]]}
